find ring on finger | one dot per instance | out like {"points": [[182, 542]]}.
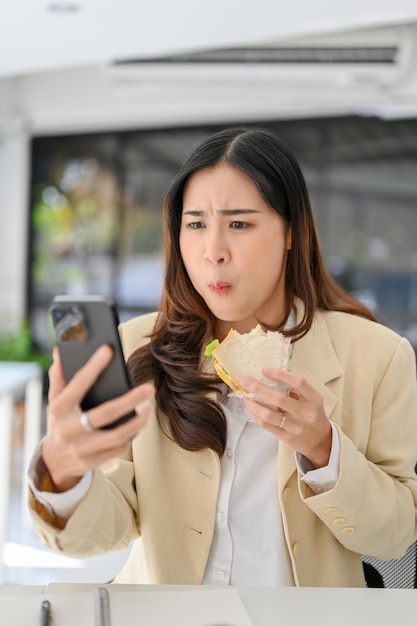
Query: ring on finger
{"points": [[282, 423], [85, 422]]}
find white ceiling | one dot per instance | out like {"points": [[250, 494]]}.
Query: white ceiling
{"points": [[39, 35], [58, 72]]}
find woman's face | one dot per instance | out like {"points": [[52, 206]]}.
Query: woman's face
{"points": [[234, 248]]}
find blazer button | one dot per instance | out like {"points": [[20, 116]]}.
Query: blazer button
{"points": [[296, 550], [339, 521], [347, 530], [330, 510]]}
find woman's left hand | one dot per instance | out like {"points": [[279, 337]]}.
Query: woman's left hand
{"points": [[298, 419]]}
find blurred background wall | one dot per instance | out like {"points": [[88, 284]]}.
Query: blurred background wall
{"points": [[100, 104]]}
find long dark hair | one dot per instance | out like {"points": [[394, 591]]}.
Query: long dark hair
{"points": [[185, 324]]}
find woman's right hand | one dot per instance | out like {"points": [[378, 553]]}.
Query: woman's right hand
{"points": [[68, 450]]}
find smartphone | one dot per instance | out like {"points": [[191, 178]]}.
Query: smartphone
{"points": [[81, 325]]}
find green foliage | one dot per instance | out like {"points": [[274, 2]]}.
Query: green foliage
{"points": [[17, 345]]}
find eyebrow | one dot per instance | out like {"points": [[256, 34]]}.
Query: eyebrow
{"points": [[227, 212]]}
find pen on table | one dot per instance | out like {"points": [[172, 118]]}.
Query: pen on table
{"points": [[45, 613], [102, 607]]}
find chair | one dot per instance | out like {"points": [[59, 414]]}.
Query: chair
{"points": [[395, 573]]}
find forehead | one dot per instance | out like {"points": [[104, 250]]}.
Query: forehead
{"points": [[222, 183]]}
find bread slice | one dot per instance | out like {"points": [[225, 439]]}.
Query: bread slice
{"points": [[244, 355]]}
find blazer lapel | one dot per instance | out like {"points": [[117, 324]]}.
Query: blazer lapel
{"points": [[313, 358]]}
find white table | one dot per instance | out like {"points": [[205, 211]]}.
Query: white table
{"points": [[132, 604], [17, 380]]}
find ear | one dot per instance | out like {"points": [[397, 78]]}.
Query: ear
{"points": [[288, 238]]}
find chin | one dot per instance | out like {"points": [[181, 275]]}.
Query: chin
{"points": [[234, 320]]}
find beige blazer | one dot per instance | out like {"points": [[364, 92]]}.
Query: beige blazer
{"points": [[164, 498]]}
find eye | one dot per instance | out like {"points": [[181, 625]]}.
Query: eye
{"points": [[236, 225], [195, 225]]}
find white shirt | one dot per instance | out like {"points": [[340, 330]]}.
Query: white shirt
{"points": [[248, 546]]}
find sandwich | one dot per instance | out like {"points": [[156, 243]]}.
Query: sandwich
{"points": [[245, 355]]}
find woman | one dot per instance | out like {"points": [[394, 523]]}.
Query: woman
{"points": [[292, 496]]}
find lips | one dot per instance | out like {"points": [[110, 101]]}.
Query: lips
{"points": [[219, 287]]}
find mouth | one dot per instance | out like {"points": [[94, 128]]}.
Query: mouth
{"points": [[219, 288]]}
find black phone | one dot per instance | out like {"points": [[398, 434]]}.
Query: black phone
{"points": [[81, 325]]}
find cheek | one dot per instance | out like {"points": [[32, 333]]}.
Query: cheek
{"points": [[188, 252], [265, 252], [184, 246]]}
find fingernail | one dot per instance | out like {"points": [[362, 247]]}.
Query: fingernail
{"points": [[103, 351]]}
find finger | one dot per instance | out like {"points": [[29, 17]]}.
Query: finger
{"points": [[56, 376], [99, 442], [70, 457], [83, 380], [92, 459], [136, 399], [270, 420], [275, 402], [299, 392], [294, 394], [297, 384], [263, 393]]}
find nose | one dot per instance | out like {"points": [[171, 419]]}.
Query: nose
{"points": [[216, 250]]}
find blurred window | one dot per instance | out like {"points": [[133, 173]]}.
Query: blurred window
{"points": [[96, 204]]}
